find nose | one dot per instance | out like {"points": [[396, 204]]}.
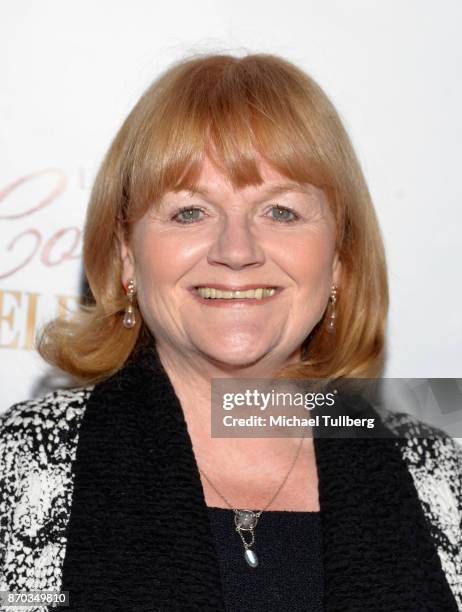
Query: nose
{"points": [[235, 245]]}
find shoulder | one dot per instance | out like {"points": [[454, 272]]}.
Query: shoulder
{"points": [[40, 426], [49, 410], [434, 460], [433, 457], [426, 447], [40, 434]]}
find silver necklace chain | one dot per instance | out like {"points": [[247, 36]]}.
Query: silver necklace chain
{"points": [[246, 520]]}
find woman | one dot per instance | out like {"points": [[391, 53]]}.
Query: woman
{"points": [[229, 175]]}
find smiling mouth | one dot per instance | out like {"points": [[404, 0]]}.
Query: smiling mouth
{"points": [[213, 293]]}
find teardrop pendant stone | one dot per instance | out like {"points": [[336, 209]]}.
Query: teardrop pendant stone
{"points": [[251, 557], [129, 319], [330, 327]]}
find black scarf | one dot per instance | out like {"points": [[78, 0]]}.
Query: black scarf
{"points": [[139, 536]]}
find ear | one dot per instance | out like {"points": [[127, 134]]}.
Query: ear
{"points": [[126, 257]]}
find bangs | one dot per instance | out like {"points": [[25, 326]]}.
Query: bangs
{"points": [[234, 111]]}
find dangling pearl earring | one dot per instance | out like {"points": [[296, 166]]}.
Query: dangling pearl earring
{"points": [[129, 319], [330, 327]]}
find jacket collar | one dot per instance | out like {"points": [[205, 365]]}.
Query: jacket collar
{"points": [[139, 533]]}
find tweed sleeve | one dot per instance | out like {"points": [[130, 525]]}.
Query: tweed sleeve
{"points": [[434, 460]]}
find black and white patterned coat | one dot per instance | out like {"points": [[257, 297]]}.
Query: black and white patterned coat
{"points": [[38, 444]]}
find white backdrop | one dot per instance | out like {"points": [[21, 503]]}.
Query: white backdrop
{"points": [[71, 71]]}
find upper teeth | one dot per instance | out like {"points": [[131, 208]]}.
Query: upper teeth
{"points": [[210, 292]]}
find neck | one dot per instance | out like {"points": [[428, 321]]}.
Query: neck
{"points": [[191, 378]]}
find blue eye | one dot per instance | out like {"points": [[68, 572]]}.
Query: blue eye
{"points": [[189, 218], [281, 214]]}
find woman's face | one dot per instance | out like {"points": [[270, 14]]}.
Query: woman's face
{"points": [[277, 234]]}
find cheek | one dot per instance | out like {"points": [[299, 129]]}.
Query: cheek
{"points": [[160, 260], [309, 260]]}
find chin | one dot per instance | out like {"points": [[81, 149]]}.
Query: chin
{"points": [[234, 357]]}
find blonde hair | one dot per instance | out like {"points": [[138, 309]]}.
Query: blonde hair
{"points": [[232, 110]]}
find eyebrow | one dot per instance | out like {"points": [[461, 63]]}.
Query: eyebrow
{"points": [[270, 190]]}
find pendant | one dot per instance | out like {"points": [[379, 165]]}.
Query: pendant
{"points": [[246, 520]]}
